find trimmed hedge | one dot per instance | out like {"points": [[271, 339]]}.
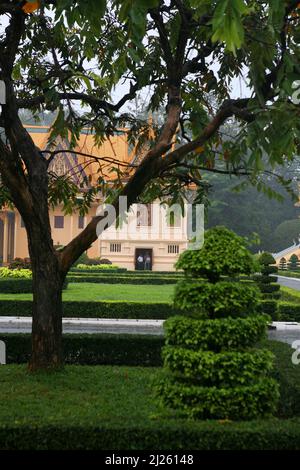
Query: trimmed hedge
{"points": [[222, 369], [101, 309], [99, 270], [122, 279], [19, 286], [269, 288], [126, 272], [289, 273], [270, 307], [198, 298], [94, 349], [272, 434], [215, 335], [15, 286], [289, 312], [240, 402]]}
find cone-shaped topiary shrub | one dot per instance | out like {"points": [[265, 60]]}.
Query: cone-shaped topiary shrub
{"points": [[293, 264], [211, 366], [282, 264], [267, 284]]}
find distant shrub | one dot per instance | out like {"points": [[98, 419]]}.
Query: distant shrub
{"points": [[97, 267], [20, 263], [267, 284], [293, 263]]}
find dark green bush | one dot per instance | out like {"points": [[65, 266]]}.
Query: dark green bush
{"points": [[269, 288], [161, 435], [139, 310], [289, 312], [223, 253], [266, 284], [270, 308], [222, 299], [18, 286], [20, 263], [265, 279], [266, 270], [215, 335], [266, 259], [223, 369], [93, 349], [240, 402], [15, 286]]}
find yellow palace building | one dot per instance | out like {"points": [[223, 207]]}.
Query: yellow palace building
{"points": [[149, 235]]}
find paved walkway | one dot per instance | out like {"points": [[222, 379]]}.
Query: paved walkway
{"points": [[292, 282], [87, 325]]}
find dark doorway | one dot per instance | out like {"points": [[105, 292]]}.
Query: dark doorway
{"points": [[143, 258]]}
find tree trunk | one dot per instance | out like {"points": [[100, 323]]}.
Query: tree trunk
{"points": [[47, 314], [47, 282]]}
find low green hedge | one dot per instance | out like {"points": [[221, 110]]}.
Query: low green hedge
{"points": [[114, 279], [125, 272], [102, 309], [18, 286], [93, 349], [290, 295], [179, 435], [289, 273], [270, 307], [98, 270], [15, 286], [269, 288], [289, 312]]}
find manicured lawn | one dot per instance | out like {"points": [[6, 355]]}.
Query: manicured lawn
{"points": [[106, 407], [94, 292], [78, 394]]}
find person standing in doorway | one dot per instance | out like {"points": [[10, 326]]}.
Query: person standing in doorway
{"points": [[140, 262], [147, 262]]}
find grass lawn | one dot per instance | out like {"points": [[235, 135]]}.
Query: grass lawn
{"points": [[78, 394], [95, 292], [289, 295], [108, 407]]}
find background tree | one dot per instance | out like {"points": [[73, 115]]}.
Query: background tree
{"points": [[274, 217], [267, 283], [74, 53], [293, 263]]}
